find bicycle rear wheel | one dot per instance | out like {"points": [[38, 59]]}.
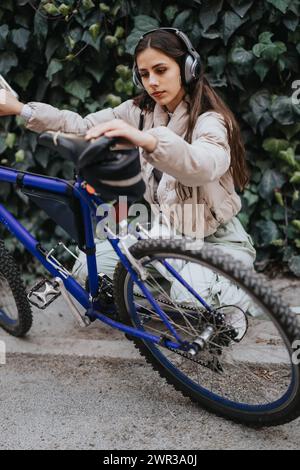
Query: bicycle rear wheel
{"points": [[15, 310], [246, 369]]}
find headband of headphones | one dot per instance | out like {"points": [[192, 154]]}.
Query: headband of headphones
{"points": [[192, 64]]}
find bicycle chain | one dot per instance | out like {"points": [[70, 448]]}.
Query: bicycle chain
{"points": [[208, 365], [182, 306]]}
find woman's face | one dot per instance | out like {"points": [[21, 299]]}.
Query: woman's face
{"points": [[160, 73]]}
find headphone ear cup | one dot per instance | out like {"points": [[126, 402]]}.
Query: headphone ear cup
{"points": [[187, 67], [182, 66], [136, 78], [191, 69], [198, 68]]}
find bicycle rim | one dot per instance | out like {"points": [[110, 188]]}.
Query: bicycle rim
{"points": [[253, 374], [8, 309]]}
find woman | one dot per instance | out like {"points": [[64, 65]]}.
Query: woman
{"points": [[191, 149]]}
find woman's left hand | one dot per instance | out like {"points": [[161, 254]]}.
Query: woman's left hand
{"points": [[120, 128]]}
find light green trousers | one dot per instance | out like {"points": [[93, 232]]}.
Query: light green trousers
{"points": [[230, 238]]}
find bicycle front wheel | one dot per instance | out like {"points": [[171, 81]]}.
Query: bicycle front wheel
{"points": [[246, 368], [15, 310]]}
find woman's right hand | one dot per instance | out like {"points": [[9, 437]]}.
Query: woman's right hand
{"points": [[9, 104]]}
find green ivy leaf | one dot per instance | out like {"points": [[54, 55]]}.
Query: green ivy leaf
{"points": [[283, 110], [274, 146], [23, 78], [94, 30], [279, 198], [260, 115], [79, 88], [124, 71], [5, 190], [142, 24], [281, 5], [119, 85], [113, 100], [119, 33], [244, 219], [270, 181], [103, 7], [291, 130], [20, 37], [64, 9], [19, 156], [268, 50], [170, 12], [241, 6], [296, 224], [288, 156], [280, 242], [40, 27], [52, 45], [296, 177], [54, 67], [294, 265], [184, 20], [242, 59], [111, 41], [87, 38], [231, 22], [10, 140], [296, 194], [250, 197], [209, 12], [291, 21], [8, 60], [217, 64], [4, 30], [262, 67], [96, 71], [266, 232], [51, 9], [2, 145]]}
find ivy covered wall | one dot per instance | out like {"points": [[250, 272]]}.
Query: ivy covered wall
{"points": [[77, 55]]}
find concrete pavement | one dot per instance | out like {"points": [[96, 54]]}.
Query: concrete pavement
{"points": [[69, 388]]}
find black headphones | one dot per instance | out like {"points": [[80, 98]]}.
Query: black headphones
{"points": [[191, 68]]}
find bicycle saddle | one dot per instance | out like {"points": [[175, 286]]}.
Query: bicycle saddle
{"points": [[82, 152], [69, 146]]}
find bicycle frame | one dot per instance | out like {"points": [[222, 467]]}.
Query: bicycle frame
{"points": [[88, 204]]}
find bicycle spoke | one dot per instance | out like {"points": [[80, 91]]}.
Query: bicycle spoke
{"points": [[218, 366]]}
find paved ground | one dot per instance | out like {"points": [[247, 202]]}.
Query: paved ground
{"points": [[67, 388], [77, 403]]}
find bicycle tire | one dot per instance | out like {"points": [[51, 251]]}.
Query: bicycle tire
{"points": [[17, 318], [254, 284]]}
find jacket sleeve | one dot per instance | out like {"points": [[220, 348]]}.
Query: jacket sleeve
{"points": [[206, 159], [47, 118]]}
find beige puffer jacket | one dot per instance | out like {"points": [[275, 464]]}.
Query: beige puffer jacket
{"points": [[202, 165]]}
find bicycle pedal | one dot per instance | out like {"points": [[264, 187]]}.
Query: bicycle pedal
{"points": [[44, 293]]}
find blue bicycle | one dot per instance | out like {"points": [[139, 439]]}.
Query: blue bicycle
{"points": [[210, 327]]}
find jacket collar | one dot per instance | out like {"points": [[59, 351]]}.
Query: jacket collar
{"points": [[179, 119]]}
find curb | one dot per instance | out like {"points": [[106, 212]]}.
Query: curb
{"points": [[296, 310], [52, 346]]}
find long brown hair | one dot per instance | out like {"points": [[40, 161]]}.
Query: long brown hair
{"points": [[203, 98]]}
